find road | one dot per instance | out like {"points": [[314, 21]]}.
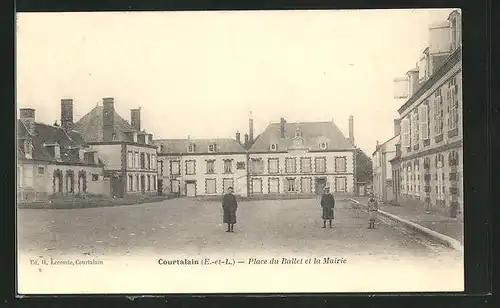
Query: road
{"points": [[194, 226]]}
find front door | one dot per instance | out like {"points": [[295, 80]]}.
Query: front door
{"points": [[191, 189], [320, 184]]}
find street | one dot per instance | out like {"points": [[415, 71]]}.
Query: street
{"points": [[194, 227]]}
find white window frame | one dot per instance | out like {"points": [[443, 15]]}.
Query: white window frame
{"points": [[189, 162], [214, 181], [308, 164], [322, 145], [274, 147], [292, 165], [271, 163], [341, 159], [259, 191], [178, 164], [211, 148], [309, 189]]}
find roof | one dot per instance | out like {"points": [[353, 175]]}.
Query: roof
{"points": [[313, 133], [180, 146], [90, 126], [381, 145], [69, 143]]}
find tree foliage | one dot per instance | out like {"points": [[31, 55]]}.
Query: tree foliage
{"points": [[364, 169]]}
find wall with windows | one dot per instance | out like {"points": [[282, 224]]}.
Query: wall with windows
{"points": [[37, 181], [382, 169], [213, 174], [295, 172]]}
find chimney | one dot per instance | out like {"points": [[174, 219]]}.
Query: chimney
{"points": [[351, 129], [135, 118], [67, 114], [108, 118], [27, 116], [397, 127], [282, 127], [246, 140], [238, 138], [413, 81], [250, 128]]}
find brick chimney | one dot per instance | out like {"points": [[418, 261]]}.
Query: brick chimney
{"points": [[108, 118], [250, 128], [282, 127], [27, 116], [135, 118], [238, 137], [413, 78], [67, 114], [397, 127], [351, 129]]}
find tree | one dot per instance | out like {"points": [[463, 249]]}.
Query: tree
{"points": [[364, 169]]}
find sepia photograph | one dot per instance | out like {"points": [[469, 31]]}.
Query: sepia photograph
{"points": [[198, 152]]}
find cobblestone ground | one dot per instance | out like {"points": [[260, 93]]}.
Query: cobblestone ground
{"points": [[186, 226]]}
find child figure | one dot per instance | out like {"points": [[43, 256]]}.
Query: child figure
{"points": [[372, 211]]}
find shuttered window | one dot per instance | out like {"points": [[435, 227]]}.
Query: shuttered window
{"points": [[424, 121]]}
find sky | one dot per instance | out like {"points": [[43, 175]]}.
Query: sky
{"points": [[202, 73]]}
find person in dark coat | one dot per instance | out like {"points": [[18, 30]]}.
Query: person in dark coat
{"points": [[372, 211], [229, 207], [327, 204]]}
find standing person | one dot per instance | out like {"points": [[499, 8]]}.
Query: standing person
{"points": [[372, 211], [327, 204], [229, 206]]}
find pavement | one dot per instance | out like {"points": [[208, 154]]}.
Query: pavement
{"points": [[435, 222], [131, 240]]}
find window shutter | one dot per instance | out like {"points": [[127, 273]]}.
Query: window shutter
{"points": [[424, 122]]}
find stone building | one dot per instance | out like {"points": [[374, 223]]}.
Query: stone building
{"points": [[202, 167], [127, 151], [302, 158], [55, 161], [429, 162]]}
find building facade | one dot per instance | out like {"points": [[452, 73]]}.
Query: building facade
{"points": [[301, 158], [55, 162], [202, 167], [128, 153], [382, 169], [429, 164]]}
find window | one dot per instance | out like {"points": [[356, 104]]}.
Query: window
{"points": [[453, 103], [305, 165], [240, 165], [274, 147], [305, 185], [136, 160], [211, 148], [440, 177], [175, 167], [175, 184], [130, 183], [257, 186], [154, 181], [290, 165], [273, 165], [341, 184], [190, 167], [438, 113], [289, 185], [136, 187], [423, 112], [320, 164], [228, 164], [130, 159], [95, 177], [41, 170], [226, 183], [415, 128], [274, 185], [153, 161], [160, 167], [340, 164], [257, 165], [191, 148], [148, 183], [405, 129], [148, 161], [210, 166], [322, 145], [143, 161]]}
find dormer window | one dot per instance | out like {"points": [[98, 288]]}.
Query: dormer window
{"points": [[322, 145], [211, 148], [274, 147], [191, 148]]}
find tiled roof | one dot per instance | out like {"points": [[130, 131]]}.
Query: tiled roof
{"points": [[178, 146], [47, 134], [90, 126], [312, 133]]}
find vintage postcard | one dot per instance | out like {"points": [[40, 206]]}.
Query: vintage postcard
{"points": [[239, 152]]}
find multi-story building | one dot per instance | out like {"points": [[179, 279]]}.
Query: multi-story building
{"points": [[382, 170], [302, 158], [429, 163], [127, 151], [202, 167], [53, 161]]}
